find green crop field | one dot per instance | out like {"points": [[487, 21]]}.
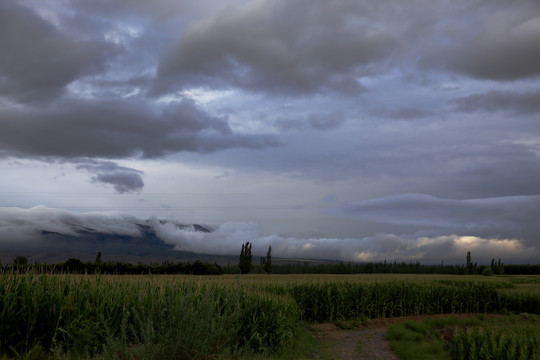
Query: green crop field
{"points": [[468, 338], [228, 316]]}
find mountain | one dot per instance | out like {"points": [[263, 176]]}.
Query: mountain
{"points": [[130, 241]]}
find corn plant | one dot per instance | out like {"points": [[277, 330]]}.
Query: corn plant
{"points": [[511, 341]]}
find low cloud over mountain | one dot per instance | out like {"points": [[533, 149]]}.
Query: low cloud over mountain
{"points": [[127, 235]]}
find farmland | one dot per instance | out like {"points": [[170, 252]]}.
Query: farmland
{"points": [[228, 316]]}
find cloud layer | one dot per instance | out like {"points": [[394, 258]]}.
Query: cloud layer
{"points": [[363, 102], [116, 129], [493, 218], [20, 226]]}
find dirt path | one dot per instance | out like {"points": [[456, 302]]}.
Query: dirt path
{"points": [[367, 343]]}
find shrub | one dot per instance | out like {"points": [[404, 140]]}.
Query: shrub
{"points": [[487, 271]]}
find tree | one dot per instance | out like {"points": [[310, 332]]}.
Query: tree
{"points": [[245, 258], [268, 262], [469, 264], [74, 266], [500, 267], [20, 261], [98, 257]]}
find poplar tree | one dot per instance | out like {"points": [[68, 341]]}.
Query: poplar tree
{"points": [[245, 258], [268, 262]]}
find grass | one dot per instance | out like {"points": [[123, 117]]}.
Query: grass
{"points": [[421, 339], [304, 346]]}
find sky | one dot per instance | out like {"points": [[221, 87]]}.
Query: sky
{"points": [[353, 130]]}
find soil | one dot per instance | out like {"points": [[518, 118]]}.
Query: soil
{"points": [[363, 343]]}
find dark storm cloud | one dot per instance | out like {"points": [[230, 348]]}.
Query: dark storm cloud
{"points": [[495, 40], [305, 46], [37, 60], [117, 128], [458, 157], [279, 46], [527, 103], [122, 178], [505, 217]]}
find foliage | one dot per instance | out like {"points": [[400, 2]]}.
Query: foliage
{"points": [[150, 317], [515, 339], [487, 271], [268, 264], [98, 258], [328, 302], [382, 267], [527, 269], [183, 320], [20, 261], [416, 340], [268, 261], [245, 258], [76, 266], [511, 337]]}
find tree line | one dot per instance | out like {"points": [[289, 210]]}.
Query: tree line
{"points": [[76, 266], [245, 265]]}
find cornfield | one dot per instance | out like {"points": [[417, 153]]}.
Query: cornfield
{"points": [[175, 319], [518, 341], [162, 317], [328, 302]]}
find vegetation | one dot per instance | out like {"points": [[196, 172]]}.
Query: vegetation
{"points": [[245, 258], [384, 267], [89, 316], [418, 340], [152, 317], [513, 339], [20, 261], [327, 302], [269, 265], [268, 261], [45, 313], [487, 271], [509, 337], [76, 266], [469, 263]]}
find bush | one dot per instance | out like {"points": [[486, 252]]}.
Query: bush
{"points": [[487, 271]]}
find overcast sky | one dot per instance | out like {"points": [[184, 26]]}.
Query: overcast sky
{"points": [[353, 129]]}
